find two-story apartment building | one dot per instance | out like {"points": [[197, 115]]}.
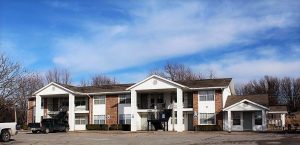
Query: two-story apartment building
{"points": [[153, 103]]}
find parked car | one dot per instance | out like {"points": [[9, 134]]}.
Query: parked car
{"points": [[7, 130], [52, 125], [35, 127]]}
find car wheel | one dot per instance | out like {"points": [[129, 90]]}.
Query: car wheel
{"points": [[5, 136], [34, 131], [66, 129], [47, 130]]}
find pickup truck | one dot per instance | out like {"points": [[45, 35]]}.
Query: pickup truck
{"points": [[7, 130]]}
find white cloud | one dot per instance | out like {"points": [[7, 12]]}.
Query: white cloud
{"points": [[242, 68], [161, 32]]}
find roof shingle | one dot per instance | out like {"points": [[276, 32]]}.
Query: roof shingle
{"points": [[261, 99]]}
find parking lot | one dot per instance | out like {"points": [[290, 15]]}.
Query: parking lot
{"points": [[155, 138]]}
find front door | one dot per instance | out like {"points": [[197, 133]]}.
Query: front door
{"points": [[190, 122], [144, 121], [247, 121]]}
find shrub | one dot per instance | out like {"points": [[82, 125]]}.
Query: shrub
{"points": [[115, 127], [97, 127], [126, 127], [208, 128]]}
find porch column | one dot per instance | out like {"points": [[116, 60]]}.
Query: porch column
{"points": [[229, 121], [38, 109], [134, 110], [180, 125], [264, 120], [71, 112]]}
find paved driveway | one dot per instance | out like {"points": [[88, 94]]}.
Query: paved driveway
{"points": [[153, 138]]}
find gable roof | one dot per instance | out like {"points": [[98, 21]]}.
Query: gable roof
{"points": [[206, 83], [261, 99], [55, 84], [158, 77]]}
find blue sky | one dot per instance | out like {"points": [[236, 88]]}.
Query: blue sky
{"points": [[125, 39]]}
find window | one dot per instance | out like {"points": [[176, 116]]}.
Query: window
{"points": [[80, 120], [99, 100], [207, 95], [207, 118], [258, 118], [175, 118], [125, 99], [99, 119], [236, 118], [80, 102], [173, 97], [124, 118]]}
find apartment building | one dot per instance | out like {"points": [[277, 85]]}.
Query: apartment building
{"points": [[153, 103]]}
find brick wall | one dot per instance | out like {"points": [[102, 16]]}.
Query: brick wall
{"points": [[218, 107], [90, 110], [31, 105], [195, 107], [112, 109]]}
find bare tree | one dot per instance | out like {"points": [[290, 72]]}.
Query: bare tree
{"points": [[285, 91], [62, 76], [177, 72], [99, 80], [27, 85]]}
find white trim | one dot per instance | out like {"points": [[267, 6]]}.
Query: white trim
{"points": [[156, 76], [206, 88], [274, 112], [103, 93], [55, 84], [227, 108]]}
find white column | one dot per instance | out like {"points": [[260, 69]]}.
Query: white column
{"points": [[180, 125], [38, 109], [282, 120], [72, 112], [134, 110], [264, 120], [229, 121]]}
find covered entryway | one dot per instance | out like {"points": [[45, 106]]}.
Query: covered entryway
{"points": [[245, 113]]}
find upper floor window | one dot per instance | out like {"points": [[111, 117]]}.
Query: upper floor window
{"points": [[207, 95], [99, 100], [80, 102], [125, 99]]}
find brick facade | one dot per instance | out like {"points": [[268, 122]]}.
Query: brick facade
{"points": [[31, 105], [112, 109], [195, 107], [218, 107], [90, 110]]}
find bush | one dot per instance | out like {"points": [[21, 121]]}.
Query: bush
{"points": [[97, 127], [24, 127], [208, 128], [115, 127], [126, 127]]}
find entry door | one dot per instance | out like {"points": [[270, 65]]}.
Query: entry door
{"points": [[144, 122], [247, 120], [190, 122]]}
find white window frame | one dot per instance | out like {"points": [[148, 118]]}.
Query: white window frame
{"points": [[125, 117], [214, 123], [206, 94], [99, 118], [125, 97], [98, 100], [236, 115], [80, 119]]}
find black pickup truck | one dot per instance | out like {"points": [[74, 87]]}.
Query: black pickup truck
{"points": [[49, 125]]}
